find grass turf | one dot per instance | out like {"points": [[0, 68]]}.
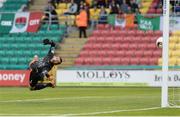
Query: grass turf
{"points": [[84, 101]]}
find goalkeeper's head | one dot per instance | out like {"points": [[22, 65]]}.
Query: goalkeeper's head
{"points": [[56, 60]]}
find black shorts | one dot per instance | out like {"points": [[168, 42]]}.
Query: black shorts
{"points": [[34, 78]]}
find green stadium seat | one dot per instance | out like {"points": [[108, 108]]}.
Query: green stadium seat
{"points": [[2, 53], [19, 53], [4, 60], [3, 39], [27, 53], [19, 39], [22, 60], [54, 27], [23, 46], [13, 60], [10, 53], [14, 46]]}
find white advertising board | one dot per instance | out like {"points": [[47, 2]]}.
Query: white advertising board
{"points": [[150, 78]]}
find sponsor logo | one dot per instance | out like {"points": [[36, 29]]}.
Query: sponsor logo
{"points": [[20, 22], [12, 77], [6, 23], [103, 75], [34, 22]]}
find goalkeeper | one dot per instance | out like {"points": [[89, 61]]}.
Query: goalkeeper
{"points": [[40, 68]]}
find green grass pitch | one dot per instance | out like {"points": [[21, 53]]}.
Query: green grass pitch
{"points": [[85, 101]]}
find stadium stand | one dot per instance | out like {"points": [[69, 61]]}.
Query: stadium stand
{"points": [[120, 47], [17, 50], [174, 49], [12, 5]]}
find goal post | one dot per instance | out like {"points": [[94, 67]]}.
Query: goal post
{"points": [[164, 89]]}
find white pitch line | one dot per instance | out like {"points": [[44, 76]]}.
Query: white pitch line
{"points": [[85, 114], [106, 112], [46, 99]]}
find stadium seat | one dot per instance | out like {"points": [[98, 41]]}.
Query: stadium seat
{"points": [[178, 62], [88, 61], [106, 61], [22, 60], [157, 53], [100, 39], [93, 53], [125, 61], [133, 46], [116, 61], [87, 46], [97, 46], [79, 61], [109, 39], [102, 53], [97, 61], [13, 60], [118, 39], [120, 53], [144, 61], [148, 53], [172, 46], [84, 53], [111, 53], [153, 61], [124, 46], [142, 46], [129, 53], [172, 61], [106, 46], [138, 53], [134, 61], [10, 53]]}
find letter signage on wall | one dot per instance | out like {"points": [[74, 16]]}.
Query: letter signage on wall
{"points": [[150, 78], [14, 77]]}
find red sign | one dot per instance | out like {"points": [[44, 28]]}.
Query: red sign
{"points": [[34, 21], [14, 77]]}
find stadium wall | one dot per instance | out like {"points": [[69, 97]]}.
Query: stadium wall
{"points": [[115, 78]]}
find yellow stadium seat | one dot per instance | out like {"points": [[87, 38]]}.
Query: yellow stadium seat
{"points": [[175, 53], [172, 46], [172, 61], [177, 33], [177, 46], [59, 11], [178, 62], [173, 39], [62, 6], [170, 53]]}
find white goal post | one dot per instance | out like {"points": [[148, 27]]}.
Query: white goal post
{"points": [[164, 89]]}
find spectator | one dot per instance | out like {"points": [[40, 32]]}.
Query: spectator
{"points": [[81, 21], [114, 8], [79, 2], [50, 14], [101, 3], [103, 16], [72, 10], [119, 2], [125, 7], [94, 15], [134, 6]]}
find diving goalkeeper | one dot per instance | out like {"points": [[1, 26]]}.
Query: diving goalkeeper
{"points": [[40, 68]]}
